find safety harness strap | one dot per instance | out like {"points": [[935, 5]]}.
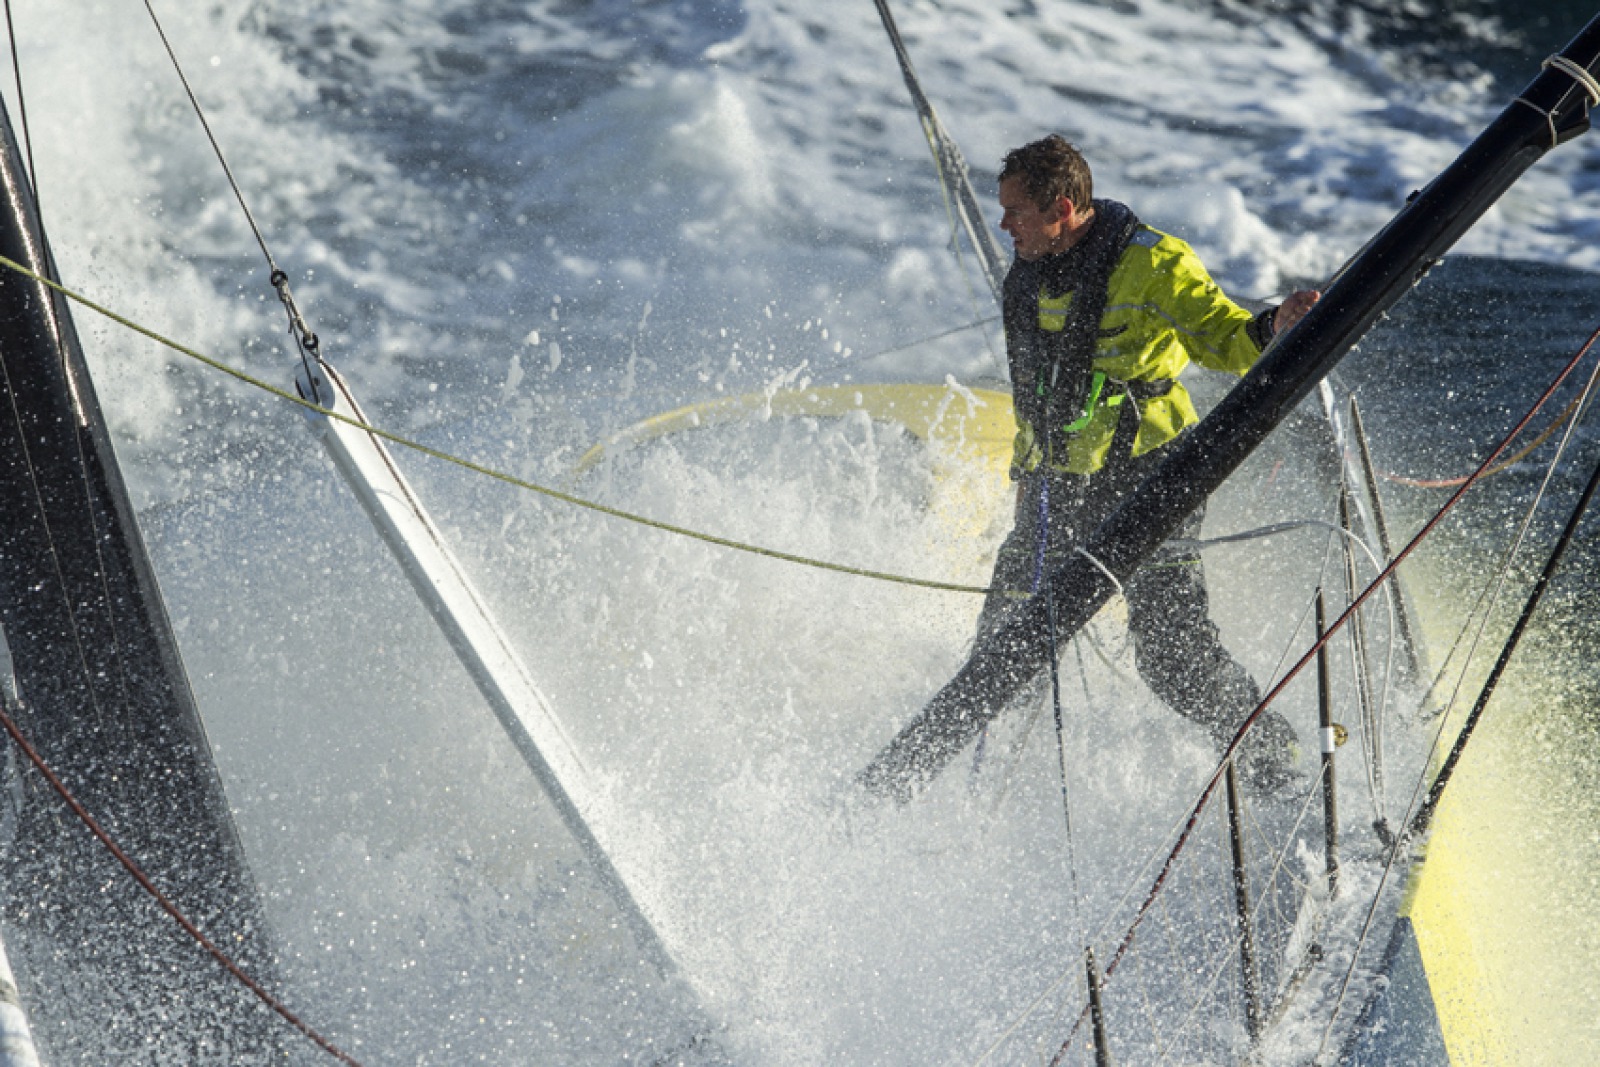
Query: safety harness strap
{"points": [[1137, 390]]}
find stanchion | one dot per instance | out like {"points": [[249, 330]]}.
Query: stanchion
{"points": [[1241, 900], [1097, 1015], [1330, 798], [1380, 524], [1358, 645]]}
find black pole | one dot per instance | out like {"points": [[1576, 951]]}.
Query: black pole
{"points": [[1330, 797], [1425, 813], [1552, 109], [1249, 974], [102, 695]]}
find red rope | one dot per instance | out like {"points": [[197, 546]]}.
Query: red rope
{"points": [[1205, 795], [160, 898]]}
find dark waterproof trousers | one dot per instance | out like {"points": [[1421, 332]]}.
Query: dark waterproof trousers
{"points": [[1177, 648]]}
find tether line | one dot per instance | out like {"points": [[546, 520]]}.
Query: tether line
{"points": [[479, 468], [569, 498]]}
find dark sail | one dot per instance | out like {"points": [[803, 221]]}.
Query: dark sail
{"points": [[104, 974]]}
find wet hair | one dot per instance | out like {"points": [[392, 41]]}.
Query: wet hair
{"points": [[1051, 168]]}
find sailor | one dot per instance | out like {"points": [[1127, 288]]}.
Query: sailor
{"points": [[1101, 314]]}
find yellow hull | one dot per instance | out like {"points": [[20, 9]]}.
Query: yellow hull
{"points": [[1506, 904]]}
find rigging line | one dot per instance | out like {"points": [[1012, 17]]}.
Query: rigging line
{"points": [[1019, 748], [69, 603], [1416, 818], [305, 339], [1264, 839], [1334, 531], [1074, 971], [1168, 927], [490, 472], [1490, 593], [947, 159], [1105, 924], [1375, 714], [1481, 604], [205, 124], [1042, 1045], [22, 106], [1280, 858], [961, 260], [1027, 1013], [1424, 814], [1176, 962], [166, 905], [1150, 1020], [1040, 574], [73, 625], [1449, 659], [1224, 956], [1471, 625], [1338, 624], [1388, 594], [1371, 736], [1273, 529], [1019, 745], [1133, 880]]}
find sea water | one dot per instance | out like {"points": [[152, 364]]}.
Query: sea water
{"points": [[519, 227]]}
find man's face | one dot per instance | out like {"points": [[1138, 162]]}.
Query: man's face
{"points": [[1035, 232]]}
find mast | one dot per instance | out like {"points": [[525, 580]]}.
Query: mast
{"points": [[102, 695], [1554, 108]]}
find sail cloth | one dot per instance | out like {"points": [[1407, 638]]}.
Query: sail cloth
{"points": [[105, 976]]}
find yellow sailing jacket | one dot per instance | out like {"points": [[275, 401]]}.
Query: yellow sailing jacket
{"points": [[1162, 310]]}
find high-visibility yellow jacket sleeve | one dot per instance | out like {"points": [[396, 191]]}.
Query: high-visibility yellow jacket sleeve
{"points": [[1162, 310]]}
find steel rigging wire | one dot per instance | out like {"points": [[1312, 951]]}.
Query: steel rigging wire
{"points": [[305, 339]]}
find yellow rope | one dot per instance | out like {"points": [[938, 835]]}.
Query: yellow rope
{"points": [[478, 468]]}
